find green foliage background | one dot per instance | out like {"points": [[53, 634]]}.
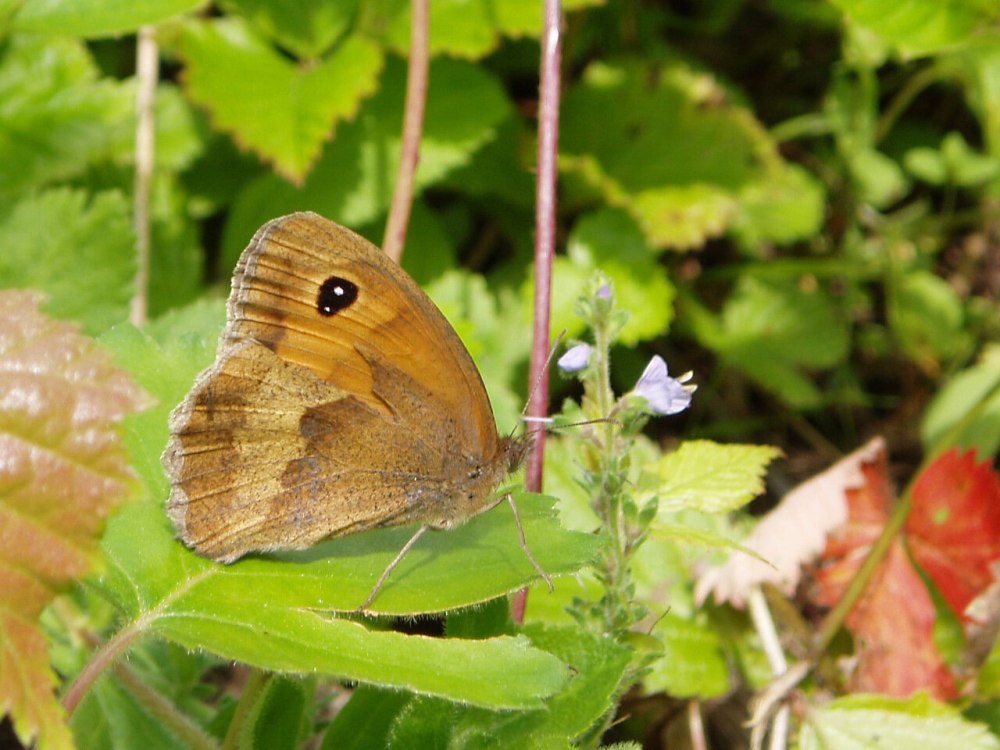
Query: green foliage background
{"points": [[795, 198]]}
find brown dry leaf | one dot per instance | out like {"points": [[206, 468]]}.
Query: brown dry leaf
{"points": [[792, 534], [63, 470]]}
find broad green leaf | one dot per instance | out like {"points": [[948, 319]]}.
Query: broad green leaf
{"points": [[711, 477], [64, 471], [596, 664], [97, 18], [880, 180], [56, 116], [666, 146], [786, 206], [927, 317], [281, 110], [863, 722], [84, 260], [163, 588], [468, 29], [692, 664], [972, 389], [770, 329], [922, 27], [352, 182], [610, 241], [307, 28], [281, 717]]}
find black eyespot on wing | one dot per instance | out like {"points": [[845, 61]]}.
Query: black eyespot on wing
{"points": [[334, 295]]}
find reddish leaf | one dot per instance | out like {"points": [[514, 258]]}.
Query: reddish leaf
{"points": [[62, 471], [954, 526], [792, 534], [893, 620]]}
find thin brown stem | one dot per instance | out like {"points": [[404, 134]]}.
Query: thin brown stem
{"points": [[147, 71], [413, 126], [545, 239]]}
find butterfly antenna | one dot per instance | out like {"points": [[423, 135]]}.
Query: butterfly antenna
{"points": [[538, 382]]}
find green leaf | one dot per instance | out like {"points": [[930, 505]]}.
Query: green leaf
{"points": [[163, 588], [953, 405], [667, 147], [955, 163], [366, 720], [352, 181], [281, 716], [787, 206], [96, 18], [307, 28], [58, 116], [922, 27], [597, 666], [84, 260], [711, 477], [862, 721], [281, 110], [610, 241], [926, 315], [769, 329], [692, 664], [880, 180], [468, 29]]}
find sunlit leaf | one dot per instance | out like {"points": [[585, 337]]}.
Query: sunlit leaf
{"points": [[64, 471]]}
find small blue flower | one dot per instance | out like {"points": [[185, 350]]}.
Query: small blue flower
{"points": [[604, 292], [664, 394], [575, 358]]}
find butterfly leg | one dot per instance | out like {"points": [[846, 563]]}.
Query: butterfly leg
{"points": [[524, 544], [391, 566]]}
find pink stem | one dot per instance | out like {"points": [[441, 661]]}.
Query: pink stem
{"points": [[413, 125], [545, 238]]}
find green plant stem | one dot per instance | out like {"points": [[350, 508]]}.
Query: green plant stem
{"points": [[190, 734], [901, 101], [835, 619], [256, 683], [102, 659], [609, 500]]}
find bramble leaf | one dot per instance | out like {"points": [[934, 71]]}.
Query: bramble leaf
{"points": [[64, 471]]}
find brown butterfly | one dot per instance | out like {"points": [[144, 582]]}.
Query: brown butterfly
{"points": [[340, 400]]}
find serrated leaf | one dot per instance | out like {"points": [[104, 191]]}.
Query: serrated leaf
{"points": [[64, 471], [711, 477], [352, 182], [668, 147], [280, 110], [307, 28], [58, 116], [84, 260], [893, 622], [877, 723], [96, 18], [954, 526], [922, 27], [792, 534]]}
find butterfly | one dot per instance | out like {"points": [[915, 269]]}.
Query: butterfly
{"points": [[341, 400]]}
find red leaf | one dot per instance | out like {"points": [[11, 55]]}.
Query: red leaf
{"points": [[954, 526], [62, 471], [893, 620]]}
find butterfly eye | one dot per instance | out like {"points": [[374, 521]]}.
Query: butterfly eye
{"points": [[334, 295]]}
